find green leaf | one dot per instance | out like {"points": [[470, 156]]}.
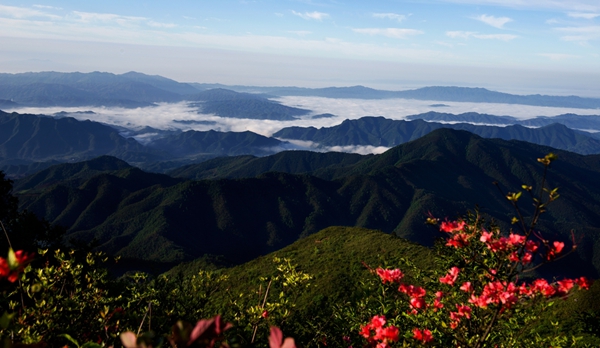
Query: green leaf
{"points": [[71, 339], [12, 259], [91, 345], [5, 320]]}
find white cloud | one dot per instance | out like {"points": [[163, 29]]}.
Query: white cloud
{"points": [[585, 15], [393, 16], [496, 22], [47, 7], [161, 25], [558, 56], [23, 12], [469, 34], [552, 21], [580, 34], [567, 5], [319, 16], [396, 33], [300, 32], [91, 17]]}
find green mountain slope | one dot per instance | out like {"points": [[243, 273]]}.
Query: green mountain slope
{"points": [[138, 215], [39, 138], [295, 162]]}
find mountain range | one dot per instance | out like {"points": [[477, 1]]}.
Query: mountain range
{"points": [[157, 217], [379, 131], [573, 121], [437, 93], [29, 143], [134, 89]]}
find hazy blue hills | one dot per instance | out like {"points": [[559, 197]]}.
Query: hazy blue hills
{"points": [[85, 89], [154, 217], [435, 93], [194, 143], [227, 103], [587, 122], [7, 104], [136, 89], [379, 131]]}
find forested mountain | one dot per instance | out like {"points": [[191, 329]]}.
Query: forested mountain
{"points": [[587, 122], [295, 162], [379, 131], [194, 143], [38, 138], [29, 143], [90, 89], [226, 103], [154, 217]]}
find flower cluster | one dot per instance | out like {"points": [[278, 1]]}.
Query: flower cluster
{"points": [[378, 335], [492, 286], [13, 266]]}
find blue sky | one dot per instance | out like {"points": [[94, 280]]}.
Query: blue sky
{"points": [[513, 45]]}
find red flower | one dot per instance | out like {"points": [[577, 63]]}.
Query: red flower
{"points": [[583, 283], [424, 335], [451, 277], [452, 226], [516, 239], [389, 275]]}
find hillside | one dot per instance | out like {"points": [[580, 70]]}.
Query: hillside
{"points": [[38, 139], [151, 217], [294, 162]]}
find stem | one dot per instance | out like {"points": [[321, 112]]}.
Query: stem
{"points": [[488, 329], [262, 307]]}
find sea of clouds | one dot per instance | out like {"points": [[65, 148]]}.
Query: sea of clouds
{"points": [[169, 116]]}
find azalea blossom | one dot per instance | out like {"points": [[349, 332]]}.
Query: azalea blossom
{"points": [[389, 275], [424, 335], [452, 226]]}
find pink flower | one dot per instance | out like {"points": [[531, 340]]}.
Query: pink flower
{"points": [[378, 321], [452, 226], [486, 236], [516, 239], [466, 287], [276, 339], [450, 278], [389, 275]]}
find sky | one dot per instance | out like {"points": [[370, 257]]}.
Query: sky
{"points": [[516, 46]]}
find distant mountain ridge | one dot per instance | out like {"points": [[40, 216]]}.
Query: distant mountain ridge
{"points": [[573, 121], [379, 131], [434, 93], [135, 89]]}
